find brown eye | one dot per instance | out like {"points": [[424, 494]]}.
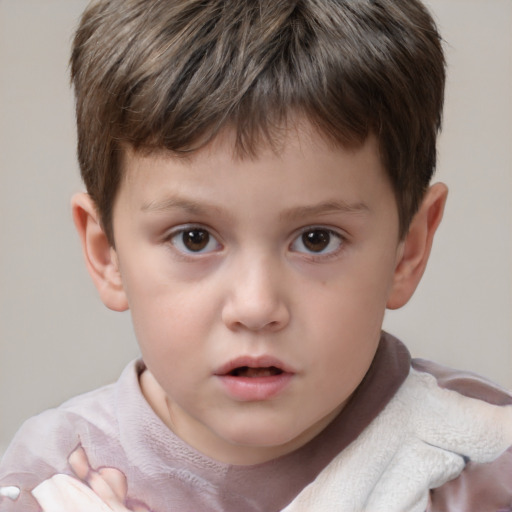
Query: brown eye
{"points": [[194, 240], [316, 240]]}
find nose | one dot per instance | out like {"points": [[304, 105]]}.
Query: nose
{"points": [[256, 298]]}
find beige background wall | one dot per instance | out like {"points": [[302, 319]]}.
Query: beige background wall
{"points": [[56, 339]]}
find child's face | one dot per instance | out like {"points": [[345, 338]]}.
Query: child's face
{"points": [[257, 287]]}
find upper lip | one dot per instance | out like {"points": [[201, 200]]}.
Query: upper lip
{"points": [[264, 361]]}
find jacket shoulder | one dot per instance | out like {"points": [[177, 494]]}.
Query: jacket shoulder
{"points": [[480, 487]]}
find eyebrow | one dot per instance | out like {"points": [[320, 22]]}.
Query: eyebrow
{"points": [[325, 208], [179, 203], [299, 212]]}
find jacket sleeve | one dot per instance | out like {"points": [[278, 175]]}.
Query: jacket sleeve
{"points": [[480, 488]]}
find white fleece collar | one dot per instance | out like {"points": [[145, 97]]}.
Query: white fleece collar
{"points": [[422, 439]]}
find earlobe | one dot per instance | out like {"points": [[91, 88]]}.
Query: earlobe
{"points": [[415, 250], [100, 257]]}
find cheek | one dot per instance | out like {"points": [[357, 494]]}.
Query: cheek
{"points": [[170, 345], [345, 319], [167, 320], [354, 300], [343, 352]]}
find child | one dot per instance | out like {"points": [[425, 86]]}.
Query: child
{"points": [[258, 194]]}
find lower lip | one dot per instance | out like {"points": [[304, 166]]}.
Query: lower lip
{"points": [[254, 389]]}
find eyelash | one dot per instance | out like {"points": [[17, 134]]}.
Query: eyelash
{"points": [[320, 255], [179, 244]]}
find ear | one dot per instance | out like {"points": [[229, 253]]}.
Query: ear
{"points": [[100, 258], [415, 250]]}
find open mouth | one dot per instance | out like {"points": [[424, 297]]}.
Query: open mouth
{"points": [[247, 371], [253, 379]]}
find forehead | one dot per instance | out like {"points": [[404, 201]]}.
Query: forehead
{"points": [[299, 170], [292, 137]]}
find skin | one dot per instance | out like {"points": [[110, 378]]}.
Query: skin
{"points": [[257, 287]]}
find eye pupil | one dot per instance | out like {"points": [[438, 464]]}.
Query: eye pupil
{"points": [[196, 239], [316, 240]]}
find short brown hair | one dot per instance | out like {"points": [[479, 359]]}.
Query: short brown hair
{"points": [[171, 74]]}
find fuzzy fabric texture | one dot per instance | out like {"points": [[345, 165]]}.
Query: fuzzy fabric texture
{"points": [[423, 438]]}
